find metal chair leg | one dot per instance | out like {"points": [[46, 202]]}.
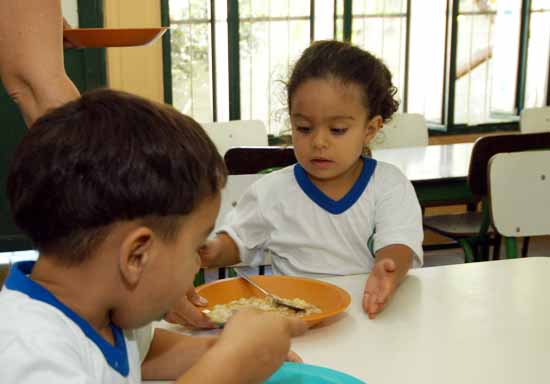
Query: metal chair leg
{"points": [[525, 247], [199, 278], [511, 247], [496, 246], [468, 251], [484, 246]]}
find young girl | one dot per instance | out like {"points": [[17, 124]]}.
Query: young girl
{"points": [[316, 217]]}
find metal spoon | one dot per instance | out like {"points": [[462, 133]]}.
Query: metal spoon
{"points": [[276, 299]]}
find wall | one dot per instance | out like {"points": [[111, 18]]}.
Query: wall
{"points": [[135, 69]]}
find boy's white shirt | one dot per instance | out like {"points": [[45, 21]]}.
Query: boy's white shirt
{"points": [[39, 344], [276, 216]]}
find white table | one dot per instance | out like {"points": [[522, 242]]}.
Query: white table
{"points": [[431, 162], [465, 324], [439, 173]]}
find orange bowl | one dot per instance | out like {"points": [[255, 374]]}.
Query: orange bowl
{"points": [[112, 37], [328, 297]]}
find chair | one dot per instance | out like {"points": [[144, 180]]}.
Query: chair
{"points": [[246, 165], [519, 195], [535, 120], [403, 130], [234, 189], [236, 133], [472, 230], [230, 195], [248, 160]]}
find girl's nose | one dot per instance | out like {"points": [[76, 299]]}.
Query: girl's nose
{"points": [[320, 139]]}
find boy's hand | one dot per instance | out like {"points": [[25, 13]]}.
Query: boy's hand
{"points": [[261, 339], [186, 313], [293, 357], [381, 285]]}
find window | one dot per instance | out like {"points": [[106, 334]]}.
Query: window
{"points": [[380, 27], [192, 69], [463, 64], [487, 61], [273, 34], [538, 70]]}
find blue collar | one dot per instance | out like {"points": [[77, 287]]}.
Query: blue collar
{"points": [[116, 356], [325, 202]]}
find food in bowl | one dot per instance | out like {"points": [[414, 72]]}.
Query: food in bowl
{"points": [[329, 298], [220, 313]]}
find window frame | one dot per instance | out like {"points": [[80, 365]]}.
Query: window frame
{"points": [[449, 127]]}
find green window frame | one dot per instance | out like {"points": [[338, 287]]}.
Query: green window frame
{"points": [[343, 28]]}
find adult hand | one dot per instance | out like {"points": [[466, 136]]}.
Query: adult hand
{"points": [[68, 44]]}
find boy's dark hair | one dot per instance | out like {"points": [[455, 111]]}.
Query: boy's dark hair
{"points": [[107, 157], [349, 64]]}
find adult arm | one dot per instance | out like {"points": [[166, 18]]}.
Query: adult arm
{"points": [[31, 56]]}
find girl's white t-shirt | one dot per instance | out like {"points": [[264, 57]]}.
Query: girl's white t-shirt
{"points": [[284, 216]]}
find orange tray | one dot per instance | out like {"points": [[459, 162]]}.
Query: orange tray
{"points": [[112, 37]]}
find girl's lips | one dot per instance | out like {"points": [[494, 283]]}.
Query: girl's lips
{"points": [[321, 163]]}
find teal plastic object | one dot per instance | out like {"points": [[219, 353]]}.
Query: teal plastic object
{"points": [[297, 373]]}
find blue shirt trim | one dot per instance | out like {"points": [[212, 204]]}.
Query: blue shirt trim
{"points": [[116, 356], [336, 206]]}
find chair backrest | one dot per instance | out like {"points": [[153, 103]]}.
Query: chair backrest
{"points": [[535, 120], [519, 193], [247, 160], [231, 194], [403, 130], [236, 133], [488, 146]]}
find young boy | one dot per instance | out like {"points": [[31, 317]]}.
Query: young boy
{"points": [[118, 194]]}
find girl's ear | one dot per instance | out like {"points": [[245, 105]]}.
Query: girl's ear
{"points": [[135, 253], [372, 128]]}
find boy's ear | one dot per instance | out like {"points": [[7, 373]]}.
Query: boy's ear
{"points": [[135, 253], [373, 126]]}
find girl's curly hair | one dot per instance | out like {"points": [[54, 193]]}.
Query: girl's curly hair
{"points": [[349, 64]]}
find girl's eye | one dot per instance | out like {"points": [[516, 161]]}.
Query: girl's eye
{"points": [[303, 129], [338, 131]]}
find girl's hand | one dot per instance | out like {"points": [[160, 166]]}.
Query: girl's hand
{"points": [[380, 286], [210, 251]]}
